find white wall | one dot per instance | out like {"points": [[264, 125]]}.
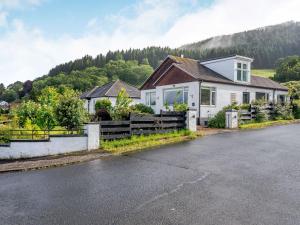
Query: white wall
{"points": [[223, 93], [91, 103], [56, 145], [223, 96], [193, 95], [228, 67], [224, 67]]}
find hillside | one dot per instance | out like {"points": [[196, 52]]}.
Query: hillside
{"points": [[265, 44]]}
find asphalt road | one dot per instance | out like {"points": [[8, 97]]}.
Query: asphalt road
{"points": [[250, 177]]}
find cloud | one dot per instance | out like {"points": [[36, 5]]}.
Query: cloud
{"points": [[26, 52], [3, 16]]}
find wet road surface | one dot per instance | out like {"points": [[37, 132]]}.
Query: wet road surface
{"points": [[250, 177]]}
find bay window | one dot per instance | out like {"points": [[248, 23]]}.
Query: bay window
{"points": [[176, 95], [208, 96]]}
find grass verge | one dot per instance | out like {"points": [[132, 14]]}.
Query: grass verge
{"points": [[136, 143], [266, 124]]}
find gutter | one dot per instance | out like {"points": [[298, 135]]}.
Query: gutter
{"points": [[200, 82]]}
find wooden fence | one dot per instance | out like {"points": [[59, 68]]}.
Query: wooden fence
{"points": [[250, 114], [142, 124]]}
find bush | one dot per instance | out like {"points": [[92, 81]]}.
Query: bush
{"points": [[102, 115], [219, 120], [296, 109], [141, 108], [70, 113], [103, 104], [283, 112], [122, 108], [180, 107]]}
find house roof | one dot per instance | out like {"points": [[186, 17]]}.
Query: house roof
{"points": [[202, 73], [112, 89]]}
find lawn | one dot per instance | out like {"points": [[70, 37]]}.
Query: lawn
{"points": [[267, 124], [142, 142], [268, 73]]}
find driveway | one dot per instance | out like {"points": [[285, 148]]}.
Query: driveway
{"points": [[250, 177]]}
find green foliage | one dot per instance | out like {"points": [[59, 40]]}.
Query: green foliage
{"points": [[283, 112], [103, 104], [122, 108], [141, 142], [288, 69], [296, 109], [141, 108], [27, 111], [45, 117], [180, 107], [219, 120], [70, 113], [294, 89]]}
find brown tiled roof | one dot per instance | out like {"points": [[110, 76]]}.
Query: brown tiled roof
{"points": [[195, 69], [112, 89]]}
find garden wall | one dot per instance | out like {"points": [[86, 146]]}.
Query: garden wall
{"points": [[62, 144]]}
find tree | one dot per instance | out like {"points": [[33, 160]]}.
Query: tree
{"points": [[70, 113], [288, 69], [45, 117], [27, 111]]}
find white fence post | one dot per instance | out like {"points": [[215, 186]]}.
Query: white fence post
{"points": [[191, 120], [93, 131], [232, 119]]}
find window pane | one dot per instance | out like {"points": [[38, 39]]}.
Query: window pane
{"points": [[152, 98], [245, 75], [244, 66], [205, 96], [185, 97], [239, 75], [213, 98], [171, 96], [233, 98], [260, 96], [239, 65], [246, 98]]}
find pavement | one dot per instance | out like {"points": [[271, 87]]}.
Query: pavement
{"points": [[248, 177]]}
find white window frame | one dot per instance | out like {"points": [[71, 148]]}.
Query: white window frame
{"points": [[148, 98], [247, 70], [212, 89], [183, 89]]}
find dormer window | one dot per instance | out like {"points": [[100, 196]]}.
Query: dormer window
{"points": [[242, 72]]}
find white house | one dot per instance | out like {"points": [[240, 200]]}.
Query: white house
{"points": [[110, 91], [208, 86], [4, 105]]}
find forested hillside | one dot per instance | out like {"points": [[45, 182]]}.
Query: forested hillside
{"points": [[265, 45]]}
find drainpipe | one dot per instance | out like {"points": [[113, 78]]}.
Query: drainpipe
{"points": [[200, 82]]}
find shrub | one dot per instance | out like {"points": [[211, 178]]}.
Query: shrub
{"points": [[122, 108], [70, 113], [141, 108], [180, 107], [102, 114], [103, 104], [296, 109], [219, 120], [283, 112], [261, 115]]}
